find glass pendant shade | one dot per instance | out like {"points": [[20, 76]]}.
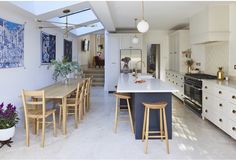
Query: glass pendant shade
{"points": [[143, 26], [135, 40]]}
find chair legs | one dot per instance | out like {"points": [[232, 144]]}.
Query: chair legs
{"points": [[43, 133], [147, 130], [27, 133], [54, 125]]}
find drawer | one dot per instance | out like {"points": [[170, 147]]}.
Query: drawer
{"points": [[217, 104], [232, 112], [231, 129], [218, 91], [232, 97]]}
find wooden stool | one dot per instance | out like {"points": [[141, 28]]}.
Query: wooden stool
{"points": [[125, 97], [163, 134]]}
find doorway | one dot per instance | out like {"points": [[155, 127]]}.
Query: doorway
{"points": [[153, 59]]}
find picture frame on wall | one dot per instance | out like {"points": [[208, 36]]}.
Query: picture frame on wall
{"points": [[68, 50], [48, 48], [11, 44]]}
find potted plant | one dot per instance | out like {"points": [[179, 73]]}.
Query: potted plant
{"points": [[63, 69], [8, 120]]}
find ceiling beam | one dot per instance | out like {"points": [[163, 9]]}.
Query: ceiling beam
{"points": [[102, 11]]}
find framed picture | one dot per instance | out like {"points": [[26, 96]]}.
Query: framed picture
{"points": [[68, 50], [48, 48], [11, 44]]}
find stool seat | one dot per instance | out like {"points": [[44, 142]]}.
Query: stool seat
{"points": [[122, 95], [155, 105]]}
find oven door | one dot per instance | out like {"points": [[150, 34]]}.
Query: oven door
{"points": [[193, 93]]}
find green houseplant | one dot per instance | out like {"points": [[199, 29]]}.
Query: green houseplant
{"points": [[63, 68], [8, 120]]}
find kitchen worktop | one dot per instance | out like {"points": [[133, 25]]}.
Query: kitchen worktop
{"points": [[126, 84]]}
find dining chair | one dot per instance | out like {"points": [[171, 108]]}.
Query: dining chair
{"points": [[35, 108], [87, 93], [74, 105]]}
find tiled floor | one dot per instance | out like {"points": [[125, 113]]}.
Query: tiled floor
{"points": [[193, 138]]}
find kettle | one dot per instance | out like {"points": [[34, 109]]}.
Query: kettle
{"points": [[220, 74]]}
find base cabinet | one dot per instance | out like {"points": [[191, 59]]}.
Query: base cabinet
{"points": [[219, 106], [177, 79]]}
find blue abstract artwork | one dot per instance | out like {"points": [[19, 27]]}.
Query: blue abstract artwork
{"points": [[68, 50], [11, 44], [48, 48]]}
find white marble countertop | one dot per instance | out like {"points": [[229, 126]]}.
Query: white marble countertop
{"points": [[126, 84], [229, 84]]}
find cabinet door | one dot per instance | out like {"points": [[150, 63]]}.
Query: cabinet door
{"points": [[114, 62], [125, 42], [171, 53]]}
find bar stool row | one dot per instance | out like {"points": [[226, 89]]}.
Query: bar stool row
{"points": [[146, 134]]}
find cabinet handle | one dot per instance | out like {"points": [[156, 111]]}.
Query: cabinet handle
{"points": [[233, 128], [205, 87], [176, 76], [233, 111], [206, 97], [182, 86], [220, 92], [220, 105], [206, 110], [233, 97], [173, 82], [176, 83], [220, 120]]}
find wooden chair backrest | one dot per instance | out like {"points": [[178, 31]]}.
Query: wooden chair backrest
{"points": [[33, 100], [78, 91], [82, 88]]}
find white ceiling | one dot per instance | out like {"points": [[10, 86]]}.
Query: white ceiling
{"points": [[159, 14]]}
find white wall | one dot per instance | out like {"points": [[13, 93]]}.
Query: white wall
{"points": [[34, 75], [157, 37]]}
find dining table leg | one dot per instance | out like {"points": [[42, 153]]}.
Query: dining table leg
{"points": [[64, 117]]}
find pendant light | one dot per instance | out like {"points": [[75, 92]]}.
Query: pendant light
{"points": [[135, 38], [143, 25]]}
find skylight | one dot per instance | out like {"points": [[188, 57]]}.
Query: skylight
{"points": [[41, 7], [86, 30], [77, 18]]}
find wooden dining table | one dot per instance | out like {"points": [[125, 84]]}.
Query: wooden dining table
{"points": [[60, 90]]}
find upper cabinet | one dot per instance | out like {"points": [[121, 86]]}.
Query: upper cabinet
{"points": [[210, 25], [126, 41], [178, 42]]}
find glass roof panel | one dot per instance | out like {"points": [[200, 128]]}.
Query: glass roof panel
{"points": [[85, 30], [77, 18]]}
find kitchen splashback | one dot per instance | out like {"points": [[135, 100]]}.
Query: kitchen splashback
{"points": [[216, 54]]}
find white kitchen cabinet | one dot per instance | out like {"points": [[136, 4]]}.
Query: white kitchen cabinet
{"points": [[178, 42], [112, 61], [126, 41], [219, 106], [210, 25], [176, 79]]}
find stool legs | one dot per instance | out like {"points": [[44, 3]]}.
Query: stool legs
{"points": [[130, 117], [147, 130], [116, 115], [161, 124], [166, 132], [144, 123]]}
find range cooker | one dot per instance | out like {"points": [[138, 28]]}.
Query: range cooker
{"points": [[193, 91]]}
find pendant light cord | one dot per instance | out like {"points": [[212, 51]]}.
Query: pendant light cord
{"points": [[143, 9]]}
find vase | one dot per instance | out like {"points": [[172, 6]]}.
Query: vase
{"points": [[189, 69], [6, 134]]}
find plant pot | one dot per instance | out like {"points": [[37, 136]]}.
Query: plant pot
{"points": [[6, 134]]}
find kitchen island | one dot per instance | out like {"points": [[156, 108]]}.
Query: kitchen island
{"points": [[152, 90]]}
